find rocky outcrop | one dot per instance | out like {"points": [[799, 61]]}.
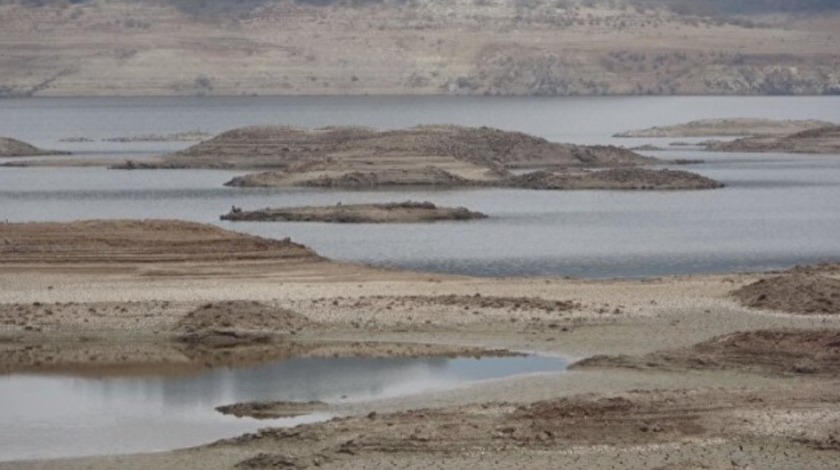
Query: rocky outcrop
{"points": [[357, 213]]}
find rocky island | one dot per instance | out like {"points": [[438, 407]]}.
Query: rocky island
{"points": [[16, 148], [450, 156], [732, 127], [357, 213], [822, 140], [620, 178]]}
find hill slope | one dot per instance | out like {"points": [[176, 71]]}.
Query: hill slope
{"points": [[541, 47]]}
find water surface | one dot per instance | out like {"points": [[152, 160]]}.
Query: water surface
{"points": [[45, 416], [777, 210]]}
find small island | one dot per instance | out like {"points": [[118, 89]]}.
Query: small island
{"points": [[16, 148], [615, 179], [822, 140], [731, 127], [401, 212]]}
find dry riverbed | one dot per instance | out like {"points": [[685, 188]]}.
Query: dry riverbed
{"points": [[674, 373]]}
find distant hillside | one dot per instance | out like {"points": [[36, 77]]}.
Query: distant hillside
{"points": [[478, 47]]}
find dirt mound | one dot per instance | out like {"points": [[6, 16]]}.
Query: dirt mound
{"points": [[358, 213], [620, 178], [793, 292], [242, 316], [16, 148], [764, 351], [110, 241]]}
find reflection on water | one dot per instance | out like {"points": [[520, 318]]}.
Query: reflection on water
{"points": [[49, 416]]}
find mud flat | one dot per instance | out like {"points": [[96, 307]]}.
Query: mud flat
{"points": [[734, 127], [16, 148], [719, 382], [823, 140], [398, 212], [624, 178]]}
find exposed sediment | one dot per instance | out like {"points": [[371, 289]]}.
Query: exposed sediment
{"points": [[357, 213], [775, 352], [793, 292], [144, 241]]}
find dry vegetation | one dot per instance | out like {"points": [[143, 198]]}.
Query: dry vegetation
{"points": [[547, 47]]}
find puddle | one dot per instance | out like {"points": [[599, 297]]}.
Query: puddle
{"points": [[46, 416]]}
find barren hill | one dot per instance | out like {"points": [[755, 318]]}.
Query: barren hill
{"points": [[307, 47]]}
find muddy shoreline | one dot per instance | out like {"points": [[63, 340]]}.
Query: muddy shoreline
{"points": [[678, 397]]}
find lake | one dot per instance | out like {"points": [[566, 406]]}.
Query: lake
{"points": [[776, 211], [44, 416]]}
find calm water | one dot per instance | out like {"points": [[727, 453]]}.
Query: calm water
{"points": [[777, 211], [50, 416]]}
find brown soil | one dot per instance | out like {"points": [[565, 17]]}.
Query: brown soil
{"points": [[358, 213], [765, 351], [823, 140], [793, 292], [16, 148], [490, 302], [624, 178], [242, 316], [138, 241], [728, 127], [272, 409], [589, 431]]}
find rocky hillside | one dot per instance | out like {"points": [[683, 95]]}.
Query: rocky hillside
{"points": [[510, 47]]}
